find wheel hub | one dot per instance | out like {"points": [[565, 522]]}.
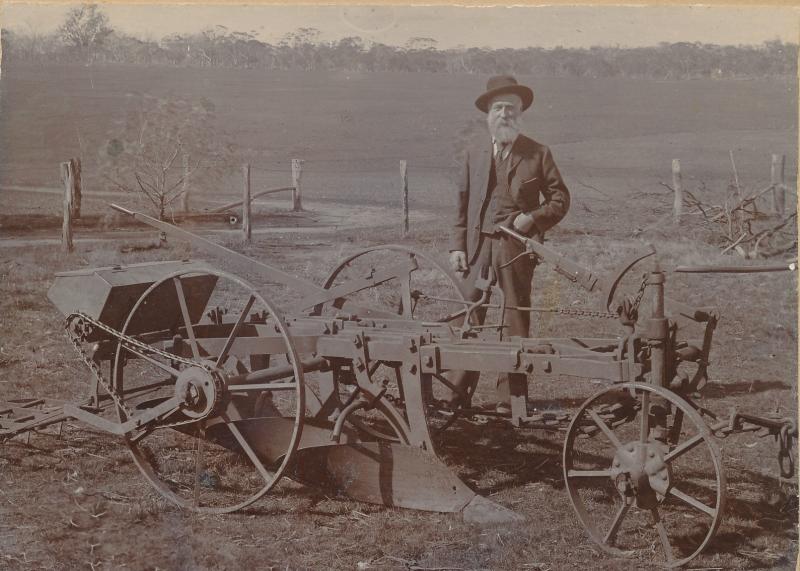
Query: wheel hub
{"points": [[200, 389], [639, 471]]}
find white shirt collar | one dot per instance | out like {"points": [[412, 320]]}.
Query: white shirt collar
{"points": [[496, 145]]}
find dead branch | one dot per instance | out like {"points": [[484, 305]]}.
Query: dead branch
{"points": [[739, 224]]}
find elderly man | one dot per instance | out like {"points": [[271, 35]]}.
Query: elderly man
{"points": [[510, 181]]}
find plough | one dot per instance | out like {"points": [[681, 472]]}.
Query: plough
{"points": [[218, 393]]}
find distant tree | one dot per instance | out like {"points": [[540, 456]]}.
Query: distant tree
{"points": [[87, 32], [32, 46], [420, 43], [302, 36], [162, 143], [298, 49], [85, 29], [347, 53]]}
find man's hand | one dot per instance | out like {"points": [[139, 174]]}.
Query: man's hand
{"points": [[458, 261], [524, 223]]}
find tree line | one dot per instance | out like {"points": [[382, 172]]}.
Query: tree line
{"points": [[87, 37]]}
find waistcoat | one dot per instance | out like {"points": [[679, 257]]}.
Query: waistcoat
{"points": [[501, 204]]}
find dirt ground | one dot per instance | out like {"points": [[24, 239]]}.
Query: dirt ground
{"points": [[76, 501]]}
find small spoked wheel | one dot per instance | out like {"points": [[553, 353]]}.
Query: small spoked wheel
{"points": [[211, 339], [644, 474]]}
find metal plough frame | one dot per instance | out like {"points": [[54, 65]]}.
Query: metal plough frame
{"points": [[217, 385]]}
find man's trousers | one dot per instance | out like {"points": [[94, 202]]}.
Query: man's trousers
{"points": [[495, 251]]}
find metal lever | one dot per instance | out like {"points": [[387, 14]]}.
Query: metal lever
{"points": [[785, 267], [573, 271]]}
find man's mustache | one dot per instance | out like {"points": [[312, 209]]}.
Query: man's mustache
{"points": [[508, 126], [506, 123]]}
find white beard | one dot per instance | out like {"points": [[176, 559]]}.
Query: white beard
{"points": [[505, 133]]}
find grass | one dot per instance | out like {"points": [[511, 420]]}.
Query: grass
{"points": [[298, 527], [93, 509], [618, 136]]}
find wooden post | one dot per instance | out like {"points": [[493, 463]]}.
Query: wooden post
{"points": [[297, 173], [185, 189], [677, 185], [66, 226], [404, 186], [778, 181], [246, 230], [75, 164]]}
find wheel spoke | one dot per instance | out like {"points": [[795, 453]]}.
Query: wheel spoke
{"points": [[405, 296], [612, 531], [235, 331], [156, 362], [363, 310], [675, 429], [659, 485], [692, 501], [264, 387], [662, 534], [187, 321], [683, 448], [606, 430], [182, 465], [589, 474], [644, 432], [248, 450], [199, 465], [147, 431]]}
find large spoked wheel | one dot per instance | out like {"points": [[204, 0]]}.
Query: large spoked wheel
{"points": [[644, 474], [396, 282], [200, 334]]}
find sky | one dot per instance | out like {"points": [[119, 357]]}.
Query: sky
{"points": [[496, 27]]}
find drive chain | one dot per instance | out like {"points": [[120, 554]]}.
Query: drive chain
{"points": [[588, 313], [78, 326]]}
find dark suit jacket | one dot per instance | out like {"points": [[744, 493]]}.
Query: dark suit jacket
{"points": [[535, 186]]}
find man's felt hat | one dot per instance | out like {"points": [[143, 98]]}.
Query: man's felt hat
{"points": [[501, 84]]}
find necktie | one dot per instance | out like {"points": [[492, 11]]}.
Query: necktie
{"points": [[502, 152]]}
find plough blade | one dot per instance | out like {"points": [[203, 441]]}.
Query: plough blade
{"points": [[391, 474], [384, 473]]}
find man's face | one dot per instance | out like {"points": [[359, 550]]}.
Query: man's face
{"points": [[503, 117]]}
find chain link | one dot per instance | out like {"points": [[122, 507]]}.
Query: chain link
{"points": [[78, 326], [640, 294], [71, 325], [588, 313]]}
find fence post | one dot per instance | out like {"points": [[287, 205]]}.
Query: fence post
{"points": [[66, 226], [75, 164], [404, 186], [246, 229], [677, 185], [297, 173], [778, 181], [185, 185]]}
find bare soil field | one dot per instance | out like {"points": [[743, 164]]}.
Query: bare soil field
{"points": [[618, 136], [76, 501]]}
